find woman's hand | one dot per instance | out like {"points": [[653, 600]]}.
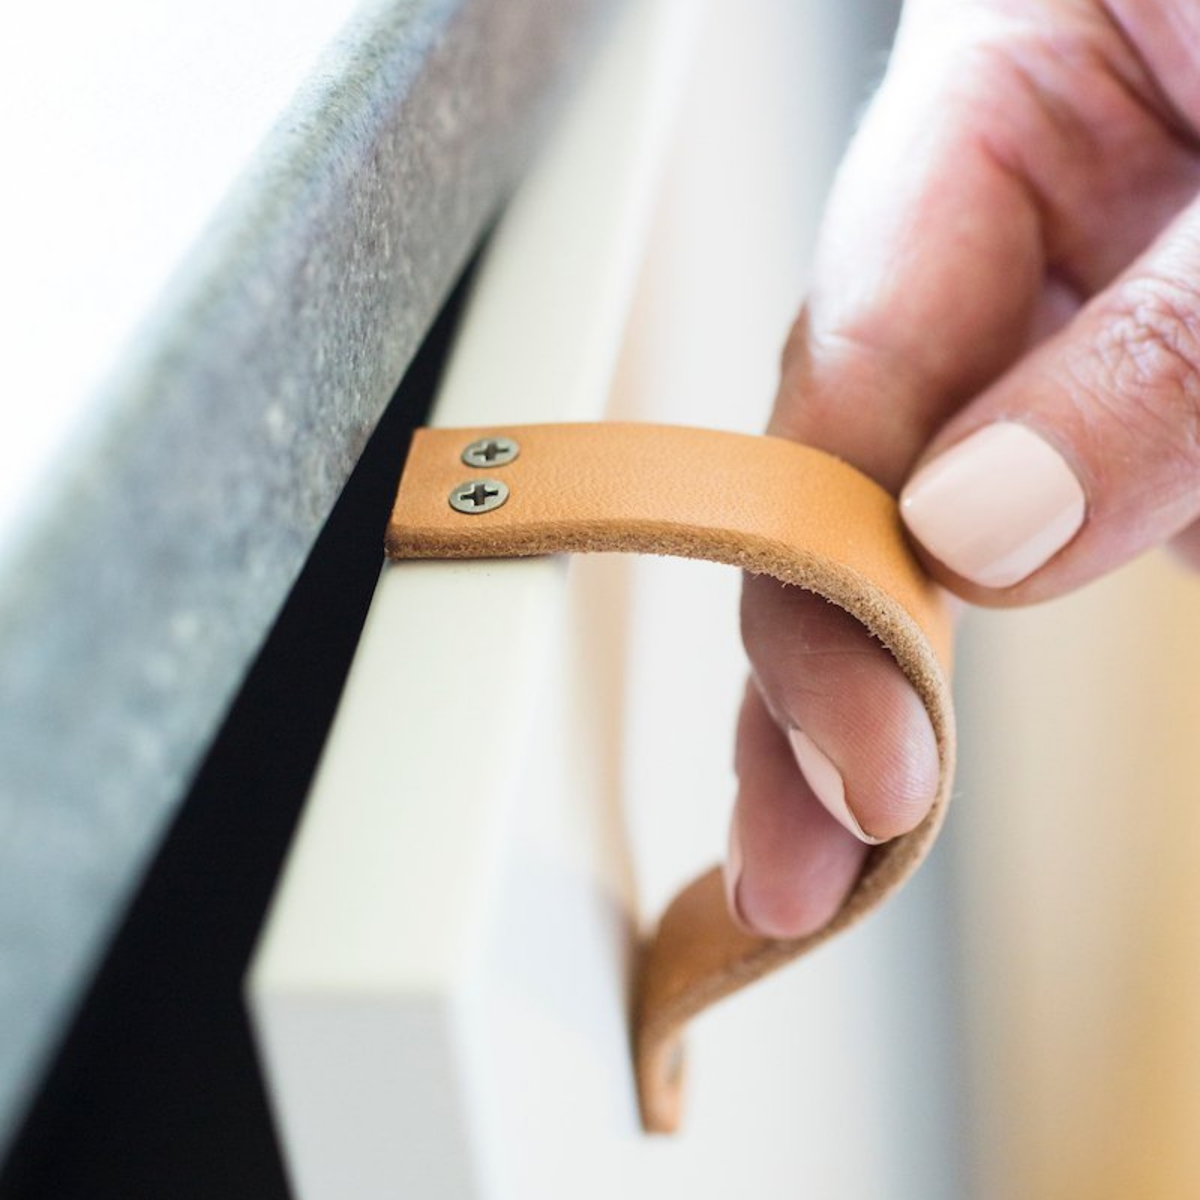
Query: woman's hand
{"points": [[1003, 329]]}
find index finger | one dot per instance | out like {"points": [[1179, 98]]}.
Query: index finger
{"points": [[929, 270]]}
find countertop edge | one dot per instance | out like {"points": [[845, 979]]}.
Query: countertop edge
{"points": [[181, 517]]}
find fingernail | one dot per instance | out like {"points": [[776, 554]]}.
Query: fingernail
{"points": [[826, 782], [995, 507], [733, 871]]}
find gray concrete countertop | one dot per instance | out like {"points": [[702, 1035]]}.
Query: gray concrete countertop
{"points": [[195, 380]]}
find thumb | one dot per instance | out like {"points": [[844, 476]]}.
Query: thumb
{"points": [[1084, 453]]}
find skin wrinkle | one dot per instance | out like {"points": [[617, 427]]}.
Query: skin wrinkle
{"points": [[1180, 40], [1013, 158], [1023, 59], [1110, 23], [1147, 345], [1150, 345], [1143, 89], [1166, 498], [1069, 244]]}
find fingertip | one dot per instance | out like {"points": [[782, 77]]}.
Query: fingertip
{"points": [[769, 910], [766, 907], [790, 865], [858, 731], [894, 782]]}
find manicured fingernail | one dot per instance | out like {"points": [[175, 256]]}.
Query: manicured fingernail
{"points": [[733, 871], [826, 782], [995, 507]]}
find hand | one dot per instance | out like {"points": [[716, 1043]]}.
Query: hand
{"points": [[1004, 329]]}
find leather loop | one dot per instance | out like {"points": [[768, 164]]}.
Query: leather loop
{"points": [[764, 504]]}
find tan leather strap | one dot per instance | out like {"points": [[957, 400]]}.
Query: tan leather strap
{"points": [[764, 504]]}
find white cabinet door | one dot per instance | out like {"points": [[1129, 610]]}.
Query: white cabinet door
{"points": [[531, 756]]}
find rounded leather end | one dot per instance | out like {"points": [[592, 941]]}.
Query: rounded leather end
{"points": [[661, 1068]]}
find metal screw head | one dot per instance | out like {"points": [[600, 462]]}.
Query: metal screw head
{"points": [[491, 452], [478, 496]]}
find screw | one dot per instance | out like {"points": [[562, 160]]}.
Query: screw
{"points": [[478, 496], [491, 452]]}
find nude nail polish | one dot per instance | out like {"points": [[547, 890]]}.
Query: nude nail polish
{"points": [[826, 782], [997, 506], [733, 870]]}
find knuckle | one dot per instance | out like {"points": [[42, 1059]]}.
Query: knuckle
{"points": [[1149, 354]]}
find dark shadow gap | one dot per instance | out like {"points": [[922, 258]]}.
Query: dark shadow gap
{"points": [[155, 1090]]}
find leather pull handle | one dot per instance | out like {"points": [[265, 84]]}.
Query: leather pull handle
{"points": [[764, 504]]}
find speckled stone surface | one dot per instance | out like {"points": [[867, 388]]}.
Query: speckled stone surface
{"points": [[176, 526]]}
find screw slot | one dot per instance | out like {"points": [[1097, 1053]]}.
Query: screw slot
{"points": [[491, 452], [478, 496]]}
